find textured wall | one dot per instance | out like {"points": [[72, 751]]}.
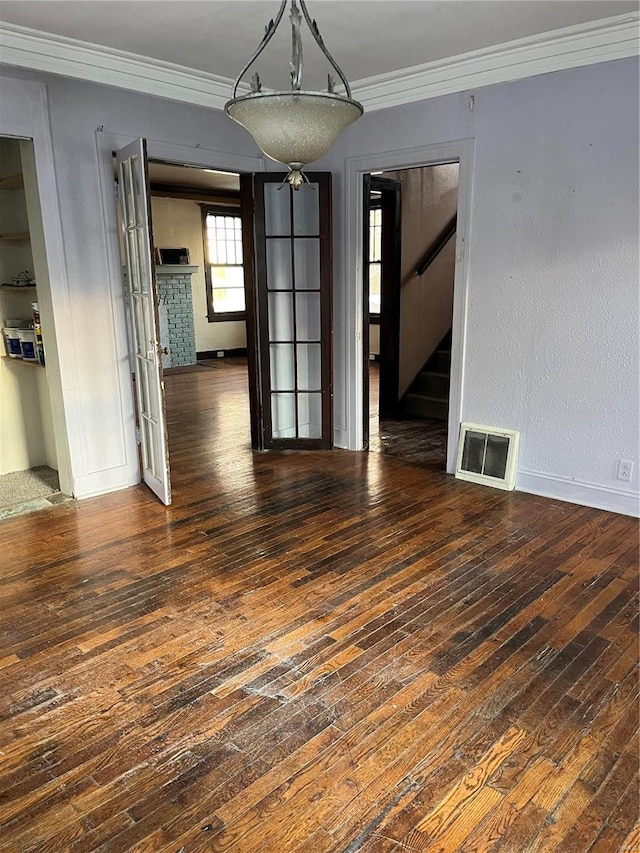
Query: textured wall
{"points": [[552, 331], [178, 222], [92, 333], [553, 320], [429, 200]]}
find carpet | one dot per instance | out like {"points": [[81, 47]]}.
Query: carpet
{"points": [[21, 486]]}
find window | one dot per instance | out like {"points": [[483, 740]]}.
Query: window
{"points": [[375, 260], [224, 271]]}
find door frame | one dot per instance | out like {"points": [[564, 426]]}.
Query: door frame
{"points": [[25, 116], [390, 283], [460, 151], [182, 155]]}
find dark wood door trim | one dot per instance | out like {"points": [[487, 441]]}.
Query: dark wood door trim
{"points": [[391, 203], [366, 314], [247, 205], [391, 283]]}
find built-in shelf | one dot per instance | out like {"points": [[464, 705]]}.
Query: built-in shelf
{"points": [[12, 182], [10, 288], [18, 237], [21, 361]]}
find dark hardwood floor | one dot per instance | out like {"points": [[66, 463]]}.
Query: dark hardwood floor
{"points": [[313, 652], [421, 442]]}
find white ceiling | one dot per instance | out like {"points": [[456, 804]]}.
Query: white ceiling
{"points": [[195, 178], [366, 38]]}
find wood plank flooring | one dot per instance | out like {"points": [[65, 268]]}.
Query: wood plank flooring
{"points": [[420, 442], [315, 653]]}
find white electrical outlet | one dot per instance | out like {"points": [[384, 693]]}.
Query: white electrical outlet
{"points": [[625, 470]]}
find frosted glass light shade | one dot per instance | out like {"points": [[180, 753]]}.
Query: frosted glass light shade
{"points": [[295, 128]]}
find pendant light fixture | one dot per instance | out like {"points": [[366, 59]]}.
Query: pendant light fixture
{"points": [[294, 127]]}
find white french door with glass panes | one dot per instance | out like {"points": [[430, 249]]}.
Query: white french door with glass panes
{"points": [[135, 214]]}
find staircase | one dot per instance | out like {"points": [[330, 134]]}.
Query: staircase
{"points": [[428, 395]]}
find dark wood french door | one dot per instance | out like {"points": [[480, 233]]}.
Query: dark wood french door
{"points": [[289, 325]]}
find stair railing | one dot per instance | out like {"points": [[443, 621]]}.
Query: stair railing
{"points": [[437, 246]]}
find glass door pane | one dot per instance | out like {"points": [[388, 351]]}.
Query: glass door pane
{"points": [[136, 223], [293, 254]]}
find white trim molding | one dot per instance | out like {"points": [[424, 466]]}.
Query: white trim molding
{"points": [[579, 492], [40, 51], [460, 151], [570, 47], [24, 113], [102, 482], [107, 142]]}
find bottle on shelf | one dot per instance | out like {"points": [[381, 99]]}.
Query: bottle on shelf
{"points": [[12, 342], [37, 328]]}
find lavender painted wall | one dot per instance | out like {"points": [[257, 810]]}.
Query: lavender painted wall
{"points": [[552, 332], [87, 122]]}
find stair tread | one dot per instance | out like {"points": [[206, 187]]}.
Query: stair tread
{"points": [[437, 373], [430, 397], [426, 406]]}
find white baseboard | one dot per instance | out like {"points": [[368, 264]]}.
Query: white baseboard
{"points": [[340, 439], [578, 492], [103, 482]]}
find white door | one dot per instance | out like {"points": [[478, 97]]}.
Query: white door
{"points": [[135, 211]]}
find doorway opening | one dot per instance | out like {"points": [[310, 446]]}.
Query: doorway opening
{"points": [[202, 313], [197, 227], [283, 240], [196, 231], [32, 442], [409, 258]]}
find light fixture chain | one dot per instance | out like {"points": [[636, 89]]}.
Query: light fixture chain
{"points": [[319, 41], [295, 66], [268, 35]]}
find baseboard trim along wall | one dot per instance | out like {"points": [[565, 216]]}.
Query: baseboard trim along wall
{"points": [[578, 492], [220, 353], [340, 439], [101, 482]]}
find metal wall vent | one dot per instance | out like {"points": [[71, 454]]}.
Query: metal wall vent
{"points": [[488, 455]]}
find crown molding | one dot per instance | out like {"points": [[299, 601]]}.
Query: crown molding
{"points": [[40, 51], [570, 47]]}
